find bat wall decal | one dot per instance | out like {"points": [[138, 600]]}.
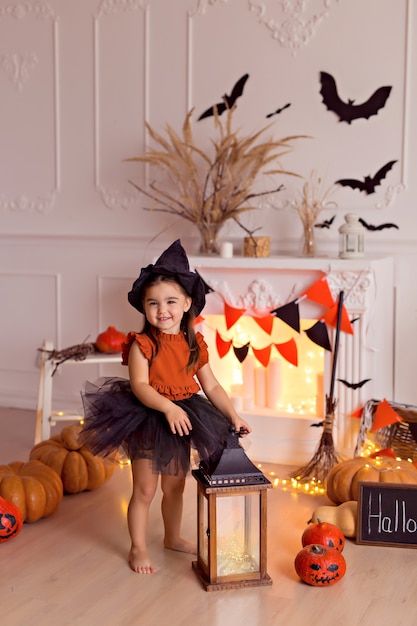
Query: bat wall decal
{"points": [[227, 101], [379, 227], [325, 223], [349, 111], [278, 111], [354, 385], [368, 184]]}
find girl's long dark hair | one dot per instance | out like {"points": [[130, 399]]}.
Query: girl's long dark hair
{"points": [[187, 322]]}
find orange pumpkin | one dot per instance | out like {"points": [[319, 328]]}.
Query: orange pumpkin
{"points": [[11, 521], [320, 566], [78, 468], [325, 534], [343, 479], [33, 487], [111, 340]]}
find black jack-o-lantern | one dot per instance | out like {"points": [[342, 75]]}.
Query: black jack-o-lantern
{"points": [[319, 565], [11, 521]]}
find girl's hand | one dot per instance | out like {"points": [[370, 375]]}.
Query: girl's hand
{"points": [[242, 427], [178, 420]]}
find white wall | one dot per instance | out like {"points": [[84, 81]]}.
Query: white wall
{"points": [[79, 79]]}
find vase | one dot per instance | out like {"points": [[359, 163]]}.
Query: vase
{"points": [[209, 233], [309, 241]]}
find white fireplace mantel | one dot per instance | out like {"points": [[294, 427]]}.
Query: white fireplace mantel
{"points": [[262, 284]]}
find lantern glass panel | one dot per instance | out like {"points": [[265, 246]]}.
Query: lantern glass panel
{"points": [[238, 530]]}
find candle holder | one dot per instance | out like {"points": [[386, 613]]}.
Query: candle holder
{"points": [[231, 521]]}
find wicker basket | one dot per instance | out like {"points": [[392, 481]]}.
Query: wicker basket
{"points": [[397, 436]]}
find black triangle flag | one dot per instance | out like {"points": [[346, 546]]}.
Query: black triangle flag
{"points": [[242, 352], [289, 313], [319, 335]]}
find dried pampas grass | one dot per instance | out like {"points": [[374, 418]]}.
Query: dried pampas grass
{"points": [[209, 187]]}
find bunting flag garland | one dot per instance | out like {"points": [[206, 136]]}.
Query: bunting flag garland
{"points": [[331, 318], [319, 335], [384, 452], [241, 353], [232, 314], [320, 292], [265, 322], [289, 351], [358, 413], [289, 313], [262, 355], [222, 346], [384, 416]]}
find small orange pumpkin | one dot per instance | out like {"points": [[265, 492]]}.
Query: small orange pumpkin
{"points": [[11, 521], [111, 340], [78, 468], [325, 534], [33, 487], [320, 566]]}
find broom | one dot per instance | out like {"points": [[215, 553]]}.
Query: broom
{"points": [[325, 456]]}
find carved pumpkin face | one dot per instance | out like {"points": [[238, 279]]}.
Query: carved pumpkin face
{"points": [[324, 534], [320, 566], [10, 520]]}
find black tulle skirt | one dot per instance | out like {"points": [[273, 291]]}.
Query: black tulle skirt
{"points": [[114, 418]]}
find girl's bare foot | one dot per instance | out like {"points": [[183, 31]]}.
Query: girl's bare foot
{"points": [[181, 545], [140, 562]]}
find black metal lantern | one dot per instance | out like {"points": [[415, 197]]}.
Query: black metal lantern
{"points": [[231, 521]]}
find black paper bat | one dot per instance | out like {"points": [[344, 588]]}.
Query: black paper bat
{"points": [[369, 183], [279, 110], [349, 111], [379, 227], [228, 101], [354, 385], [325, 223]]}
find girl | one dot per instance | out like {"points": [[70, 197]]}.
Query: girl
{"points": [[158, 414]]}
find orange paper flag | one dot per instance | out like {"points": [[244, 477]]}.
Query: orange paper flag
{"points": [[232, 315], [384, 416], [331, 319], [320, 292], [289, 351], [223, 346], [198, 320], [265, 323], [357, 413], [262, 355]]}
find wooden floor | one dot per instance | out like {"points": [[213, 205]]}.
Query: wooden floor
{"points": [[70, 569]]}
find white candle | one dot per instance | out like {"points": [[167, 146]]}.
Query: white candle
{"points": [[260, 386], [248, 376], [274, 378], [226, 250]]}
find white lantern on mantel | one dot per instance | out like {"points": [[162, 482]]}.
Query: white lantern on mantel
{"points": [[351, 238]]}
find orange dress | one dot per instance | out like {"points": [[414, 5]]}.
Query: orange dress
{"points": [[114, 417]]}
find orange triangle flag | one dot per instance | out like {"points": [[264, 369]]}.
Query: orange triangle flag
{"points": [[331, 318], [262, 355], [198, 320], [222, 346], [384, 416], [357, 413], [265, 322], [320, 292], [289, 351], [232, 315]]}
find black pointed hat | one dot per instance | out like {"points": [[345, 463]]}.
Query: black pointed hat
{"points": [[173, 262]]}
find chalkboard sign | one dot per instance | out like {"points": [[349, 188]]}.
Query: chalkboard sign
{"points": [[387, 514]]}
